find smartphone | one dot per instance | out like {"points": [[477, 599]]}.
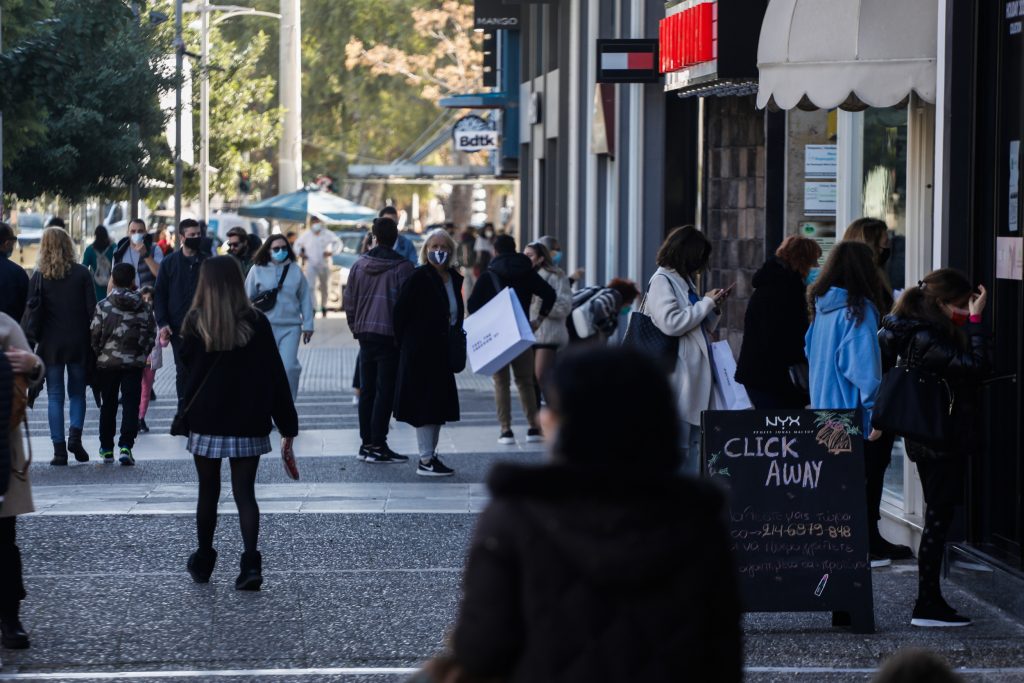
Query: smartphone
{"points": [[728, 290]]}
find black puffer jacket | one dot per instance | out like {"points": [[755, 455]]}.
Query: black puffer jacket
{"points": [[589, 575], [925, 345]]}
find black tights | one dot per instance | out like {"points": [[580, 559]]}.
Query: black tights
{"points": [[243, 488], [937, 519]]}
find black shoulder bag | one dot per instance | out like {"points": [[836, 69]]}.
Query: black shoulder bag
{"points": [[32, 320], [915, 404], [642, 334], [265, 301], [179, 425]]}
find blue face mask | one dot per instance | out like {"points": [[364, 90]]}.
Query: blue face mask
{"points": [[279, 255], [556, 258], [812, 275]]}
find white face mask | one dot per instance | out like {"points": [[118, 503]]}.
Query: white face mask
{"points": [[138, 237], [317, 227]]}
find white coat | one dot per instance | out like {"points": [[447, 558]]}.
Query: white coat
{"points": [[669, 306]]}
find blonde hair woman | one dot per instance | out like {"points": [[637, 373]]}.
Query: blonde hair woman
{"points": [[428, 321], [61, 300], [229, 351]]}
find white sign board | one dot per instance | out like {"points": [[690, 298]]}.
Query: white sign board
{"points": [[820, 161], [476, 140], [820, 198]]}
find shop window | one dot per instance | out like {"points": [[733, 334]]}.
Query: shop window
{"points": [[884, 194]]}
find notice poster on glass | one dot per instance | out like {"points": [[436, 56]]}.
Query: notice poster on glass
{"points": [[1013, 207], [820, 198], [1010, 258], [820, 161]]}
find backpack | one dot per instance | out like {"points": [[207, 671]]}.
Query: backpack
{"points": [[102, 273]]}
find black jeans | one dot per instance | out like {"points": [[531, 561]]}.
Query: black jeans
{"points": [[180, 375], [877, 456], [378, 373], [126, 383], [12, 586]]}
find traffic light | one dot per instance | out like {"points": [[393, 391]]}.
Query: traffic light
{"points": [[490, 49]]}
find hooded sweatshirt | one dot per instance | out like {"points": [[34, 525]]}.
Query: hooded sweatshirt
{"points": [[123, 331], [845, 361], [374, 283], [515, 271]]}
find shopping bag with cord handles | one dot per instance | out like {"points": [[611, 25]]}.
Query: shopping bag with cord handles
{"points": [[727, 392], [497, 333]]}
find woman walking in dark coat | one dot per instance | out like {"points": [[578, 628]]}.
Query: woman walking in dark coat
{"points": [[429, 311], [775, 325], [236, 385], [936, 327], [586, 570], [66, 299]]}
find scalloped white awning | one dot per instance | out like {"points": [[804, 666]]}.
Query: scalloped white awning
{"points": [[850, 54]]}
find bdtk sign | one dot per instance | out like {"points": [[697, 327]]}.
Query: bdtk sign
{"points": [[474, 134]]}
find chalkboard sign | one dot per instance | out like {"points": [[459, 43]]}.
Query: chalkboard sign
{"points": [[797, 509]]}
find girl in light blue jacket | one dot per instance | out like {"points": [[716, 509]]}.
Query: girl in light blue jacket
{"points": [[842, 343], [292, 314]]}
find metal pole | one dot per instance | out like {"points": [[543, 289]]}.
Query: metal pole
{"points": [[179, 49], [290, 77], [204, 114]]}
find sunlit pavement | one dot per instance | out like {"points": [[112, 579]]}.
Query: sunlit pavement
{"points": [[362, 566]]}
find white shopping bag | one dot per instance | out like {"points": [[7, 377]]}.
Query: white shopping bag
{"points": [[497, 333], [728, 393]]}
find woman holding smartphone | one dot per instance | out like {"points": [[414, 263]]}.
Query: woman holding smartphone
{"points": [[678, 310]]}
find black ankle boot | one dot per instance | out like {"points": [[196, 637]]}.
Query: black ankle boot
{"points": [[60, 454], [12, 633], [201, 563], [251, 577], [75, 445]]}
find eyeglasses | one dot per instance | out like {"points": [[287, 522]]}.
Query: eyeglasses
{"points": [[234, 245], [279, 249]]}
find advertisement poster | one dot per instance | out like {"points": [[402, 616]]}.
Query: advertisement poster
{"points": [[820, 161], [1010, 258], [820, 198], [1013, 215]]}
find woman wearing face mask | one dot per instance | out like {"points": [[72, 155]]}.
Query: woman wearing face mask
{"points": [[551, 334], [678, 310], [936, 327], [292, 317], [874, 233], [98, 258], [774, 327], [428, 315]]}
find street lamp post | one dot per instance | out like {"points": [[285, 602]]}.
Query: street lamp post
{"points": [[179, 57]]}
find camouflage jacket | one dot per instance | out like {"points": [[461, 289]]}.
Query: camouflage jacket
{"points": [[123, 330]]}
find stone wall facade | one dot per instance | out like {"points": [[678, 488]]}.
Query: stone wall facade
{"points": [[734, 203]]}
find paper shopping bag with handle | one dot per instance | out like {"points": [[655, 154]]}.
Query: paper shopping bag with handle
{"points": [[497, 333]]}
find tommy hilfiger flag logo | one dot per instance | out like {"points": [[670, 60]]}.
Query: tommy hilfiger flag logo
{"points": [[627, 61]]}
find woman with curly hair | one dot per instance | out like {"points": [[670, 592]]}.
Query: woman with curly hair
{"points": [[63, 292]]}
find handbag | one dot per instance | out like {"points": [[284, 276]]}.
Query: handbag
{"points": [[288, 458], [265, 301], [179, 424], [917, 405], [642, 334], [456, 349], [32, 319], [800, 376]]}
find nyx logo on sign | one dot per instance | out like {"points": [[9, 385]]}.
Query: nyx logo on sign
{"points": [[778, 421]]}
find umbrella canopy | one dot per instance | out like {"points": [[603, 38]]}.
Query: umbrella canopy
{"points": [[297, 206]]}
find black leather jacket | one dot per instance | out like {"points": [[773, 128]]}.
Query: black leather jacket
{"points": [[922, 344]]}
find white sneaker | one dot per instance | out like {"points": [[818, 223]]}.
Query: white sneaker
{"points": [[507, 439]]}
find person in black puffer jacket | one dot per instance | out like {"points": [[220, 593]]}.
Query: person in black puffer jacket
{"points": [[583, 570], [775, 325], [936, 327]]}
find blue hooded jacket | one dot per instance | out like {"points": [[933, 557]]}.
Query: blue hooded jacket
{"points": [[844, 357]]}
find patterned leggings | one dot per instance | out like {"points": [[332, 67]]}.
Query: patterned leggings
{"points": [[929, 557]]}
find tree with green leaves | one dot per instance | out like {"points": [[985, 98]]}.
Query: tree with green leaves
{"points": [[84, 88]]}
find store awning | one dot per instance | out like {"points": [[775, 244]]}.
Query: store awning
{"points": [[851, 54]]}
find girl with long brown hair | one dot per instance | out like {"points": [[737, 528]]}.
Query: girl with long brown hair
{"points": [[936, 327], [60, 308], [236, 386]]}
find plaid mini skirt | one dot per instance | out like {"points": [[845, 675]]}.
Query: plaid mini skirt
{"points": [[210, 446]]}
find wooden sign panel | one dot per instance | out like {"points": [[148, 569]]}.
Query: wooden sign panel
{"points": [[797, 509]]}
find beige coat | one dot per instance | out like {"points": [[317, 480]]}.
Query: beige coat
{"points": [[670, 309], [18, 500], [553, 329]]}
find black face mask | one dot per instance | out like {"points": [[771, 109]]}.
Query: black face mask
{"points": [[883, 255], [193, 243]]}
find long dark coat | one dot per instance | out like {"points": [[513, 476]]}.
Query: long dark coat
{"points": [[426, 392]]}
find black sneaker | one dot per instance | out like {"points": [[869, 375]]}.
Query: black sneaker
{"points": [[397, 457], [107, 456], [937, 615], [434, 468], [126, 459], [378, 457], [507, 438], [534, 436], [882, 548], [143, 427], [364, 452]]}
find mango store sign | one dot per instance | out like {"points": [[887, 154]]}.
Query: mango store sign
{"points": [[474, 134]]}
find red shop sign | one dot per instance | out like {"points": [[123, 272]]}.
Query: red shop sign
{"points": [[688, 37]]}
